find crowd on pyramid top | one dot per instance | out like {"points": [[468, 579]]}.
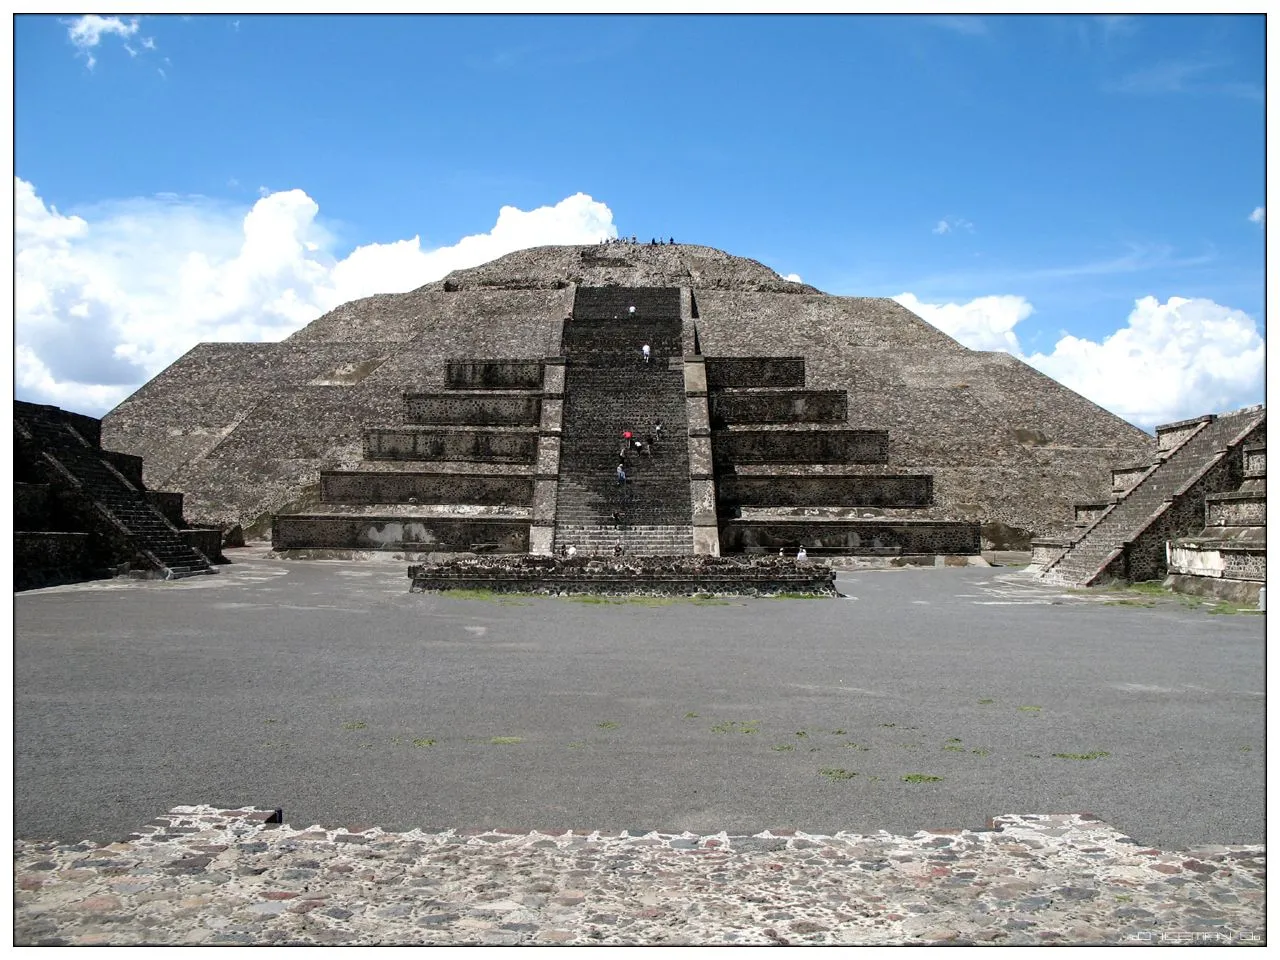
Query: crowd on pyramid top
{"points": [[653, 242]]}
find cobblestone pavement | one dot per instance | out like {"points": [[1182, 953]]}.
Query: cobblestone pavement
{"points": [[202, 876]]}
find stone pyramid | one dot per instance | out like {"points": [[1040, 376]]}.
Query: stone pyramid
{"points": [[822, 416]]}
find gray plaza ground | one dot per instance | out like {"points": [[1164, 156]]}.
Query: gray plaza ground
{"points": [[327, 689]]}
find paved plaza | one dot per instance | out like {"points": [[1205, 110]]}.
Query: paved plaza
{"points": [[551, 771], [328, 690]]}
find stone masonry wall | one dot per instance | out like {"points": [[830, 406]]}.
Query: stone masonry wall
{"points": [[801, 446], [493, 375], [1245, 564], [169, 504], [407, 443], [1236, 510], [386, 487], [762, 371], [1255, 462], [491, 409], [790, 406], [444, 534], [820, 491], [32, 504], [866, 537]]}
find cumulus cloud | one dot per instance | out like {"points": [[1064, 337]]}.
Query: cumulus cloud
{"points": [[793, 277], [1259, 216], [106, 300], [951, 224], [1169, 361], [983, 324]]}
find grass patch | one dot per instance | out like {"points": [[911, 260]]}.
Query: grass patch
{"points": [[503, 741], [782, 746], [857, 746], [954, 740], [953, 748], [608, 724], [838, 733], [354, 725], [577, 744], [986, 701], [921, 778], [980, 752], [1095, 755], [888, 724], [1128, 603], [691, 715], [737, 726], [1029, 709], [835, 775], [423, 742], [801, 733]]}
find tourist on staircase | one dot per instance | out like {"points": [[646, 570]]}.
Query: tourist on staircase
{"points": [[645, 350]]}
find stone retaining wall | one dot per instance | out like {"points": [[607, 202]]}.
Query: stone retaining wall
{"points": [[661, 576], [801, 446], [754, 372], [1255, 461], [387, 487], [493, 375], [130, 467], [45, 558], [169, 504], [826, 491], [446, 534], [1235, 510], [458, 410], [853, 537], [770, 406], [32, 503], [501, 446]]}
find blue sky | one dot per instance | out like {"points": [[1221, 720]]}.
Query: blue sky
{"points": [[1042, 184]]}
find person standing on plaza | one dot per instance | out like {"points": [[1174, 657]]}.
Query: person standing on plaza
{"points": [[645, 350]]}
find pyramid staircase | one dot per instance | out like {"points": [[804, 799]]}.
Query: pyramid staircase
{"points": [[1158, 502], [120, 509], [610, 389]]}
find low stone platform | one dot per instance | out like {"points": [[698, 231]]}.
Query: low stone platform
{"points": [[200, 875], [640, 575]]}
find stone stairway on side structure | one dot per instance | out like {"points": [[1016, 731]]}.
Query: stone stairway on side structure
{"points": [[1127, 540], [608, 390], [159, 544]]}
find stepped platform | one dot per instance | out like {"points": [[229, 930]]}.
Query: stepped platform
{"points": [[1227, 559], [1158, 502], [682, 576], [87, 511]]}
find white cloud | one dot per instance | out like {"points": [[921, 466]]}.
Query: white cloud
{"points": [[793, 277], [149, 43], [983, 324], [1169, 361], [87, 32], [106, 300], [1259, 216], [951, 224]]}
